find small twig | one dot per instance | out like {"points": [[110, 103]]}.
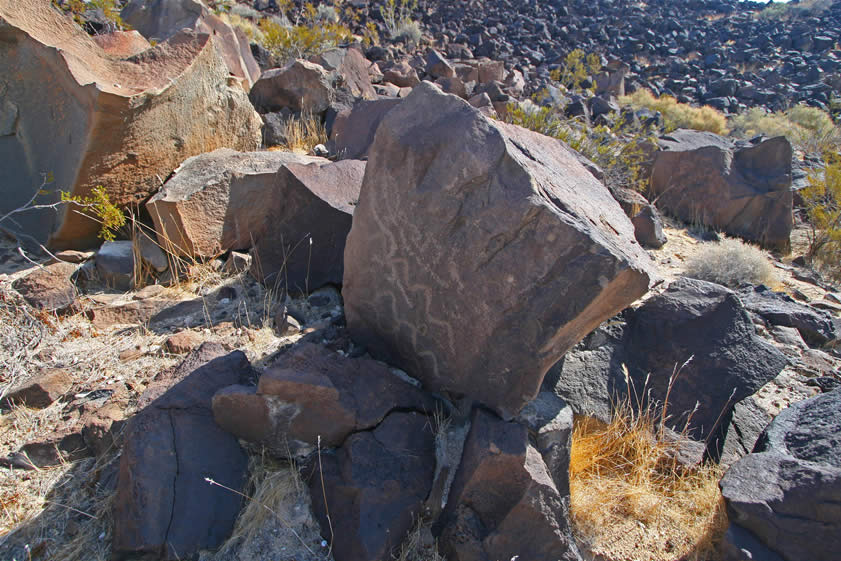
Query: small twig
{"points": [[324, 494], [76, 510]]}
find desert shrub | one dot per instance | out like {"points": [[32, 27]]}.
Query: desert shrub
{"points": [[98, 206], [678, 115], [577, 67], [302, 40], [822, 199], [77, 9], [788, 11], [808, 128], [731, 262], [618, 150], [628, 493], [397, 16]]}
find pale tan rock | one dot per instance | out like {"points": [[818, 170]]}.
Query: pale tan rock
{"points": [[87, 118]]}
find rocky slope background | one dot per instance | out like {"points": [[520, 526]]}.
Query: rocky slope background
{"points": [[436, 280]]}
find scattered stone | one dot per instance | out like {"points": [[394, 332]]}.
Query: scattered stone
{"points": [[786, 493], [503, 502], [49, 288], [42, 390], [182, 342], [219, 201], [115, 265], [312, 393], [74, 256], [353, 131], [165, 506], [648, 228], [151, 253], [817, 327], [352, 68], [298, 86], [401, 75], [436, 281], [236, 263], [162, 19]]}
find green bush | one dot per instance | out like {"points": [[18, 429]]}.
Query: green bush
{"points": [[731, 262], [311, 32], [578, 66], [678, 115], [822, 199], [788, 11], [98, 206], [77, 9]]}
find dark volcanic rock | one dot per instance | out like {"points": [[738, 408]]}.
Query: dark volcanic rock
{"points": [[374, 486], [164, 504], [503, 502], [474, 270], [787, 493], [817, 327], [314, 393], [691, 319], [353, 131], [310, 219], [703, 178]]}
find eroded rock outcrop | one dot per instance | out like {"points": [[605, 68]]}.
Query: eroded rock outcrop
{"points": [[703, 178], [161, 19], [121, 123], [481, 252]]}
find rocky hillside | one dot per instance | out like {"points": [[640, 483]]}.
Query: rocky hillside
{"points": [[291, 282]]}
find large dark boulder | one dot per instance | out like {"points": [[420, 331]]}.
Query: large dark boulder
{"points": [[374, 487], [503, 502], [690, 319], [703, 178], [164, 504], [787, 493], [354, 128], [481, 252]]}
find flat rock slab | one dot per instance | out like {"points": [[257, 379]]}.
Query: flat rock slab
{"points": [[41, 390], [374, 485], [165, 506], [481, 252], [503, 502], [49, 288], [314, 393], [744, 190], [787, 493]]}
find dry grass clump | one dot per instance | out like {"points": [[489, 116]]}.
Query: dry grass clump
{"points": [[303, 133], [732, 262], [632, 500], [678, 115], [419, 545], [807, 128]]}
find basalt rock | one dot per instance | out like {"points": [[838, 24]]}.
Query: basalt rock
{"points": [[475, 269]]}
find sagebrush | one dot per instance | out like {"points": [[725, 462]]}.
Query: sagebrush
{"points": [[732, 262], [822, 199]]}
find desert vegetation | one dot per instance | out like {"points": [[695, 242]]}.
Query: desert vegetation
{"points": [[732, 262]]}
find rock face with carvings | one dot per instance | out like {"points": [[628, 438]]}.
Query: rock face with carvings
{"points": [[481, 252], [122, 123]]}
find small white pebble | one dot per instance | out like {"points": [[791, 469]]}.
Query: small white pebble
{"points": [[323, 543]]}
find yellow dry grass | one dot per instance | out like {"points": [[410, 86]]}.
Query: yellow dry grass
{"points": [[303, 133], [679, 115], [631, 500]]}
